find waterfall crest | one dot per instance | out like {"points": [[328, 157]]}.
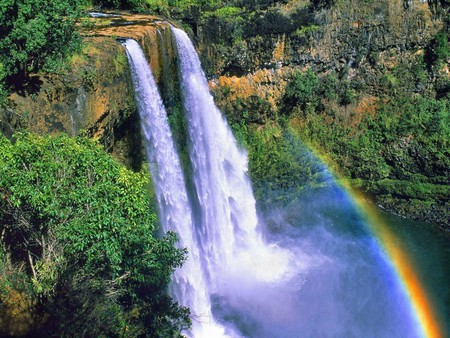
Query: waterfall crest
{"points": [[175, 213]]}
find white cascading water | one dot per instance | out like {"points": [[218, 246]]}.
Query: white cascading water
{"points": [[232, 249], [175, 213]]}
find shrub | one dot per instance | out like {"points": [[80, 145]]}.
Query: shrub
{"points": [[302, 91], [82, 226], [438, 51]]}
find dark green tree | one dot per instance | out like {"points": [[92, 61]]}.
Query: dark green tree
{"points": [[34, 34], [303, 91], [438, 50], [80, 226]]}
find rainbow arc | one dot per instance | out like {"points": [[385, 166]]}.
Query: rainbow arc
{"points": [[422, 309]]}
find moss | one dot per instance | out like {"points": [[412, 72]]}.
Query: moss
{"points": [[305, 30], [120, 63]]}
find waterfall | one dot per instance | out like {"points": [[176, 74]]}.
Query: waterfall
{"points": [[175, 213], [223, 242], [225, 195], [317, 282], [232, 249]]}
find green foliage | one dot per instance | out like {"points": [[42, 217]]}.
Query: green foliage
{"points": [[442, 47], [406, 78], [413, 189], [223, 13], [306, 92], [120, 63], [403, 137], [438, 51], [80, 221], [83, 5], [228, 22], [280, 166], [158, 6], [302, 91], [126, 4], [89, 77], [3, 91], [407, 137], [329, 85], [347, 94], [305, 30], [35, 34]]}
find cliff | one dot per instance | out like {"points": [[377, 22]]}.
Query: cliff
{"points": [[297, 33], [95, 93]]}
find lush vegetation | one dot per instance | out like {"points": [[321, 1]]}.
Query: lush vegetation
{"points": [[280, 165], [77, 253], [34, 35], [406, 134], [438, 50], [180, 5], [395, 144]]}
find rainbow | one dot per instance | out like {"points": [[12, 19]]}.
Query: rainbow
{"points": [[397, 256]]}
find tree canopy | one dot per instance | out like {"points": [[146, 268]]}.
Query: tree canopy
{"points": [[77, 245], [37, 33], [34, 34]]}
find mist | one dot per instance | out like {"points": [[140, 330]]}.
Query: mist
{"points": [[332, 279]]}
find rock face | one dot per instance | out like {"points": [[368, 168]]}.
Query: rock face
{"points": [[354, 40], [95, 94], [350, 33], [359, 41], [257, 95]]}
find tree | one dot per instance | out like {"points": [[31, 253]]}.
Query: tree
{"points": [[302, 91], [81, 226], [438, 50], [34, 34]]}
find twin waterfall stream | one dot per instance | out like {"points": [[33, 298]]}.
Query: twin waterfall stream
{"points": [[236, 281], [219, 228]]}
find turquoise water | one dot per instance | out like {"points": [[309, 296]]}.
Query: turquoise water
{"points": [[429, 249]]}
